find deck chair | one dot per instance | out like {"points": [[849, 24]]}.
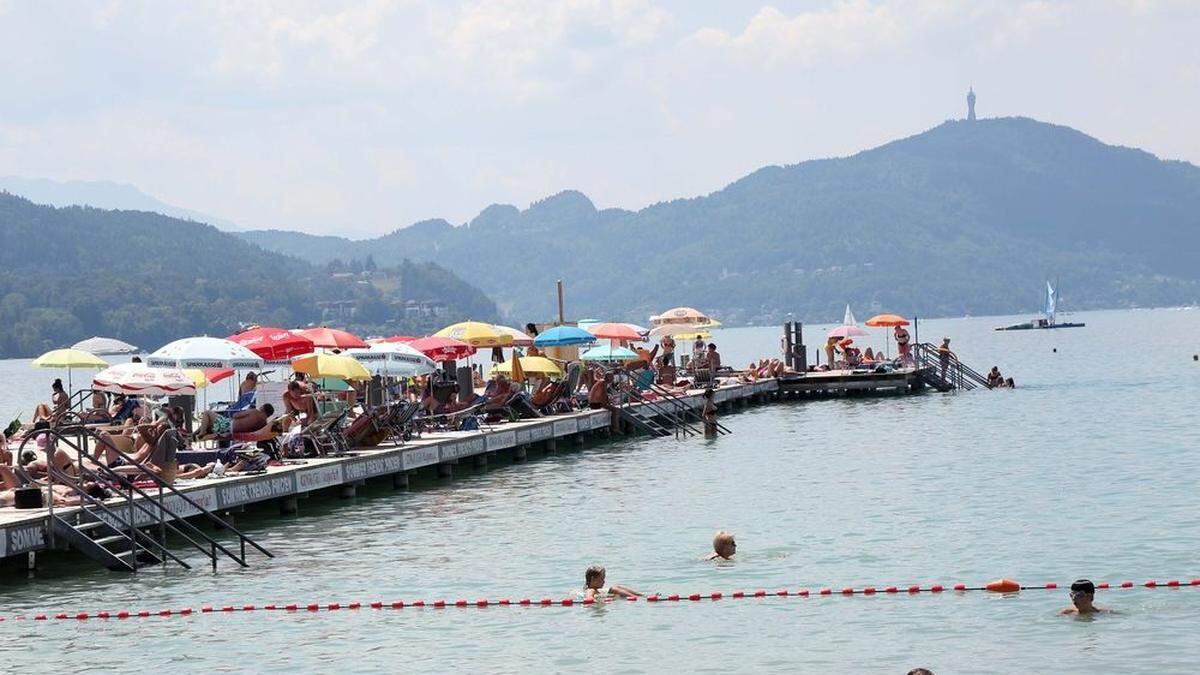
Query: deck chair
{"points": [[244, 401], [402, 422], [370, 429], [324, 434]]}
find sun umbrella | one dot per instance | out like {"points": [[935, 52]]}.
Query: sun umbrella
{"points": [[700, 335], [609, 353], [529, 364], [585, 323], [680, 315], [519, 338], [103, 346], [215, 375], [516, 370], [139, 379], [846, 331], [203, 352], [615, 331], [394, 359], [273, 344], [330, 365], [563, 336], [476, 334], [331, 338], [393, 338], [887, 320], [331, 384], [197, 376], [442, 349], [676, 329], [69, 359]]}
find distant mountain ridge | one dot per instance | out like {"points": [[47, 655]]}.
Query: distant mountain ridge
{"points": [[102, 195], [966, 218], [70, 273]]}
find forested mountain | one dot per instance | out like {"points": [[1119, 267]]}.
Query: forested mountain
{"points": [[968, 217], [69, 273]]}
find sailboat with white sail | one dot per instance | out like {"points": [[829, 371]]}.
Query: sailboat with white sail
{"points": [[1049, 318]]}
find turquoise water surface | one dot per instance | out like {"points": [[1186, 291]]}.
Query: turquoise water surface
{"points": [[1088, 468]]}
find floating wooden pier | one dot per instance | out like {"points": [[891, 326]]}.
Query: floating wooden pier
{"points": [[27, 532]]}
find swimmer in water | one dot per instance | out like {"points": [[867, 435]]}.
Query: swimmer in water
{"points": [[723, 546], [594, 586], [1083, 592]]}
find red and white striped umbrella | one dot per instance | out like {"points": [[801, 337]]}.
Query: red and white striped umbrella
{"points": [[139, 379]]}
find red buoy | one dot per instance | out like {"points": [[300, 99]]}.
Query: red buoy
{"points": [[847, 591], [960, 587], [826, 591], [1126, 584], [914, 589], [937, 588], [1051, 586], [1003, 586]]}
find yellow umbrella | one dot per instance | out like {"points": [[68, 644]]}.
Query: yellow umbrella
{"points": [[69, 359], [703, 335], [330, 365], [197, 376], [476, 334], [516, 371], [529, 364]]}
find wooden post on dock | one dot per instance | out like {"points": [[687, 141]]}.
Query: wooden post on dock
{"points": [[795, 353]]}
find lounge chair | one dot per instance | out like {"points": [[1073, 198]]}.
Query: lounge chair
{"points": [[244, 402], [325, 433]]}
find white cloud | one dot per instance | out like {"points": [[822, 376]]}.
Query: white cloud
{"points": [[853, 30]]}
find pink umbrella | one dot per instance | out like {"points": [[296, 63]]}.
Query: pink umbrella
{"points": [[332, 338], [846, 331]]}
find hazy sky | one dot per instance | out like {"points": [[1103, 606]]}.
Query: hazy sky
{"points": [[357, 118]]}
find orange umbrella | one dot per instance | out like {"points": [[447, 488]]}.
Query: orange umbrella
{"points": [[614, 331], [887, 320]]}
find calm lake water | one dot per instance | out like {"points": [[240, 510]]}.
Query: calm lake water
{"points": [[1088, 468]]}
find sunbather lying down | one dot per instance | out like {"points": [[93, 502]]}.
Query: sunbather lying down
{"points": [[61, 494], [252, 419]]}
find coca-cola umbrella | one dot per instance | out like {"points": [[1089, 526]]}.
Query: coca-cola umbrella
{"points": [[273, 344], [138, 379], [442, 349]]}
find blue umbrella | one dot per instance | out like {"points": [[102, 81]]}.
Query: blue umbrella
{"points": [[564, 336], [609, 353]]}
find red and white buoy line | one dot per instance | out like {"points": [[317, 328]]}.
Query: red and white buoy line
{"points": [[1003, 586]]}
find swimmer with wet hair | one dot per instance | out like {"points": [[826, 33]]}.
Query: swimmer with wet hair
{"points": [[724, 546], [920, 671], [593, 581], [1083, 592]]}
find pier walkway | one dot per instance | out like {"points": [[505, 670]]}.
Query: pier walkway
{"points": [[28, 531]]}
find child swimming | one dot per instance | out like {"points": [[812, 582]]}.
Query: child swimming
{"points": [[593, 586]]}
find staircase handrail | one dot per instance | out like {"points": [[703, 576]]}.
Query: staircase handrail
{"points": [[128, 484]]}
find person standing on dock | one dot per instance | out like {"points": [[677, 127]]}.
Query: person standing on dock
{"points": [[668, 350], [709, 414], [944, 356], [714, 359], [902, 345], [830, 346]]}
